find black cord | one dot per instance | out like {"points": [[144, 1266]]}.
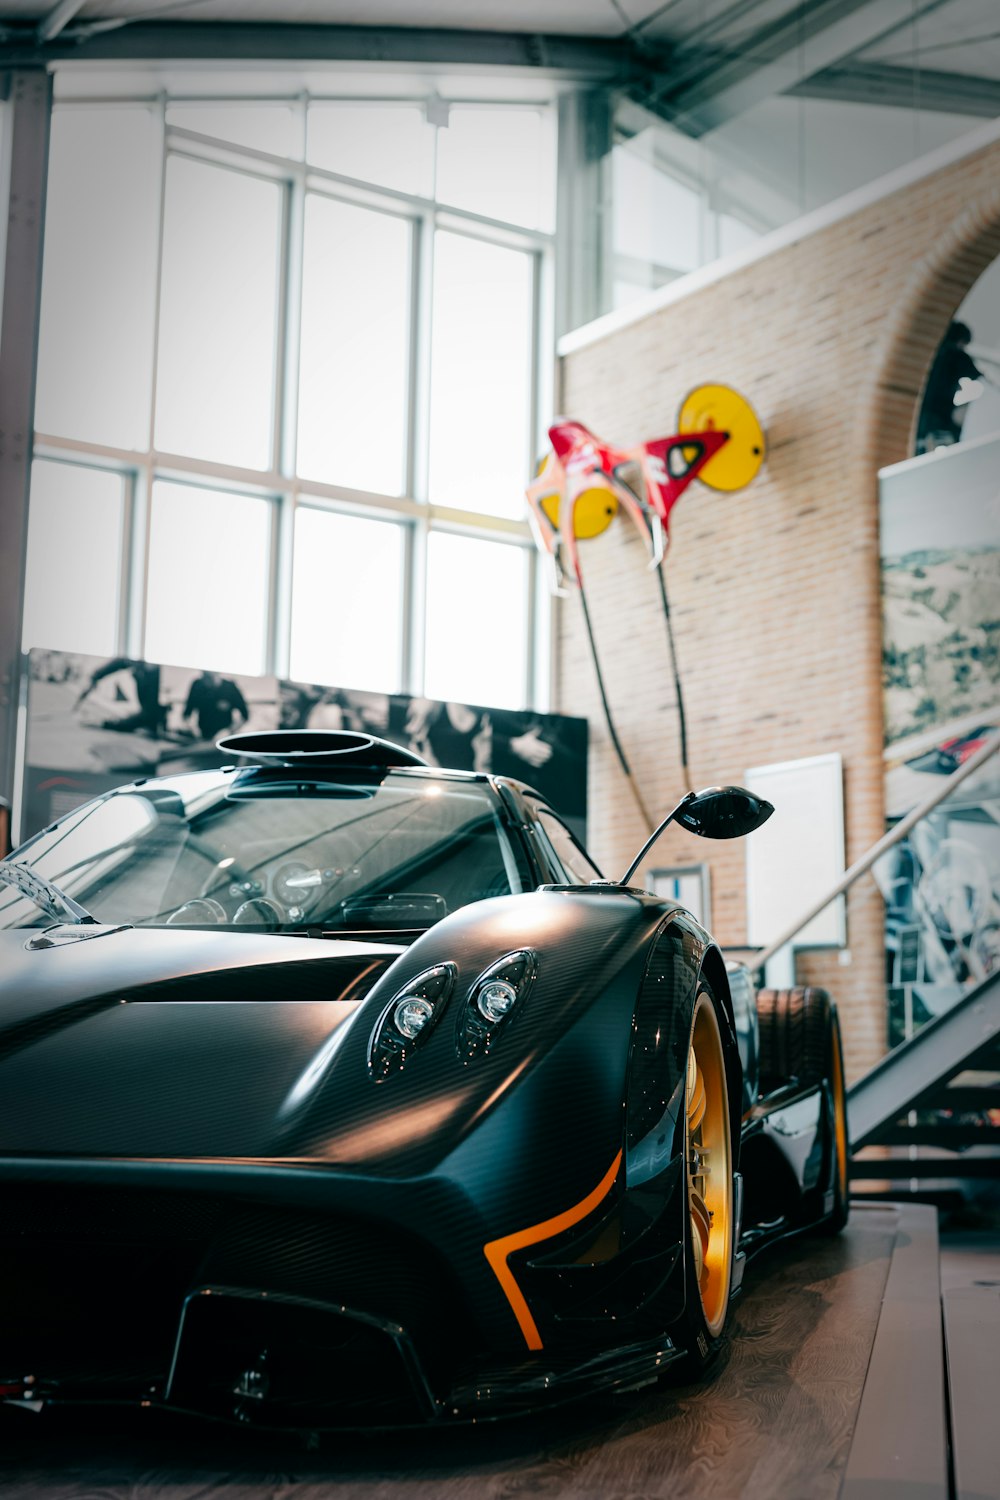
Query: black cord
{"points": [[619, 751], [682, 722]]}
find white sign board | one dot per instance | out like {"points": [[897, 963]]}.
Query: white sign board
{"points": [[799, 853], [688, 884]]}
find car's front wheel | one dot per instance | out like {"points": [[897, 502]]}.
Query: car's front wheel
{"points": [[709, 1227]]}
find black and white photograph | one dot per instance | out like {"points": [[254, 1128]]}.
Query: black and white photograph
{"points": [[94, 723], [548, 751], [940, 591]]}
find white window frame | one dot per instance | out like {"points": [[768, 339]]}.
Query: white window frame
{"points": [[280, 483]]}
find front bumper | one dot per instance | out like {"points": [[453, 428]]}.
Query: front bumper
{"points": [[283, 1295]]}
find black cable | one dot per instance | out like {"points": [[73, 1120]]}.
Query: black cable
{"points": [[619, 751], [682, 722]]}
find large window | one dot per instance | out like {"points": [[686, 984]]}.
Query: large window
{"points": [[477, 615], [206, 597], [218, 315], [480, 375], [294, 372], [354, 367], [95, 355], [73, 580], [347, 601]]}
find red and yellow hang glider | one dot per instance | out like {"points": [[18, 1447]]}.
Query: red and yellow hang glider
{"points": [[582, 481]]}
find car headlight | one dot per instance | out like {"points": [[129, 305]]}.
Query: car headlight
{"points": [[497, 996], [407, 1020]]}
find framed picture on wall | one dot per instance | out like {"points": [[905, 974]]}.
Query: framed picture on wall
{"points": [[689, 884]]}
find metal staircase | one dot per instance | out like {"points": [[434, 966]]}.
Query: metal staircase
{"points": [[937, 1096], [927, 1117]]}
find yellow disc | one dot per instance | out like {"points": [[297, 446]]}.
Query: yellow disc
{"points": [[594, 512], [718, 408]]}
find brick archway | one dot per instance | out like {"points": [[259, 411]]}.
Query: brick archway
{"points": [[937, 286]]}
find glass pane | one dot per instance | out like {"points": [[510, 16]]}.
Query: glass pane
{"points": [[759, 170], [499, 162], [657, 219], [95, 355], [218, 313], [477, 618], [391, 144], [206, 604], [73, 579], [734, 234], [347, 626], [262, 127], [481, 353], [355, 347]]}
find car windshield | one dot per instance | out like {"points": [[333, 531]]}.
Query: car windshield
{"points": [[277, 851]]}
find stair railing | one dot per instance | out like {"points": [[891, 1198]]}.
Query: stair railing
{"points": [[895, 835]]}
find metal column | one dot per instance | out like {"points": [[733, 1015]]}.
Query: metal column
{"points": [[30, 96], [582, 250]]}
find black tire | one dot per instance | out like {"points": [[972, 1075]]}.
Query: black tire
{"points": [[841, 1142], [800, 1042], [699, 1335], [794, 1036]]}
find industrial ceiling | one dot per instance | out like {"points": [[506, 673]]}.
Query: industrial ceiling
{"points": [[697, 63]]}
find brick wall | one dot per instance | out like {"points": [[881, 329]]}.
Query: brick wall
{"points": [[774, 591]]}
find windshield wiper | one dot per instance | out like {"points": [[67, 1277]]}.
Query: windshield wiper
{"points": [[46, 896]]}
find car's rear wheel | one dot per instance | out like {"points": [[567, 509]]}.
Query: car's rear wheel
{"points": [[800, 1041], [841, 1139], [709, 1227]]}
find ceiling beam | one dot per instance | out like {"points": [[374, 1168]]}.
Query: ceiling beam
{"points": [[778, 57], [617, 61], [901, 88], [57, 19]]}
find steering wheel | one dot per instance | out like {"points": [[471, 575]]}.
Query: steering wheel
{"points": [[202, 911]]}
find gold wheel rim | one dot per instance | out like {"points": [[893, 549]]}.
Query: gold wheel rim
{"points": [[839, 1112], [708, 1153]]}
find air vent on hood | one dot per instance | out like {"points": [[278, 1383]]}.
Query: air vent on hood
{"points": [[317, 747], [340, 977]]}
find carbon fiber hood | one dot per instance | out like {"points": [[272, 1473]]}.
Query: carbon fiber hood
{"points": [[164, 1043], [173, 1045]]}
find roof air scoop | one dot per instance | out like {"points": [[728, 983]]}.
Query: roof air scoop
{"points": [[317, 747]]}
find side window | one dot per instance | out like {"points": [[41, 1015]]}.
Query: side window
{"points": [[579, 867]]}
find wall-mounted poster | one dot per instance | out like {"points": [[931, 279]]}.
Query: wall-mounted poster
{"points": [[95, 723], [940, 539], [940, 543], [941, 884], [548, 751]]}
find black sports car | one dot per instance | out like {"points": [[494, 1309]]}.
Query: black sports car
{"points": [[335, 1090]]}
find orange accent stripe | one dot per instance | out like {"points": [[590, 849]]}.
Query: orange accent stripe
{"points": [[497, 1251]]}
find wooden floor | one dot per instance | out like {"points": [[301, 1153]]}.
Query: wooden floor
{"points": [[774, 1420]]}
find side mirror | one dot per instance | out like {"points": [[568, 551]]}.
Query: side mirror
{"points": [[718, 812], [724, 812]]}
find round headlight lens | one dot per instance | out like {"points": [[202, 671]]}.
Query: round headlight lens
{"points": [[411, 1015], [496, 999]]}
